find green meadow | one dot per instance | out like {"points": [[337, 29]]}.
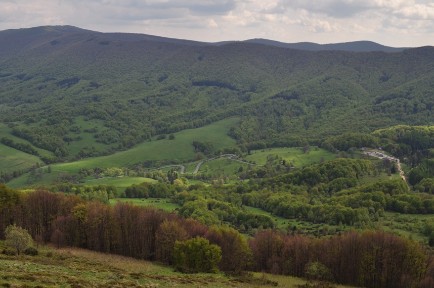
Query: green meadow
{"points": [[14, 160], [179, 149], [119, 182], [5, 131], [163, 204], [294, 155], [221, 167]]}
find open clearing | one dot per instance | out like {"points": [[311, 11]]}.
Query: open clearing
{"points": [[14, 160], [119, 182], [178, 150], [163, 204], [294, 155]]}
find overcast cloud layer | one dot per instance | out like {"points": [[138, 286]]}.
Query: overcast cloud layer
{"points": [[399, 23]]}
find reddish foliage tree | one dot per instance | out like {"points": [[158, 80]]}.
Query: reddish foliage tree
{"points": [[41, 208], [236, 255], [167, 234], [267, 247]]}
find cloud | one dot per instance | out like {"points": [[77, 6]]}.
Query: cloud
{"points": [[417, 12], [333, 8], [205, 7], [284, 20], [212, 24]]}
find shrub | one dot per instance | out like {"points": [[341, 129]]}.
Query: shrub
{"points": [[17, 238], [9, 252], [318, 271], [196, 255], [31, 251]]}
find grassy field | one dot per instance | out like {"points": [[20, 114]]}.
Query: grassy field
{"points": [[221, 167], [296, 156], [86, 139], [82, 268], [163, 204], [5, 131], [13, 160], [48, 178], [407, 225], [179, 149], [119, 182]]}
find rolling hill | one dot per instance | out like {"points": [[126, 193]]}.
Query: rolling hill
{"points": [[75, 93]]}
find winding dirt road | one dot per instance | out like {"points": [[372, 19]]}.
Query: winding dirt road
{"points": [[381, 155]]}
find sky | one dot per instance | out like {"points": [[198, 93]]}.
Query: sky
{"points": [[398, 23]]}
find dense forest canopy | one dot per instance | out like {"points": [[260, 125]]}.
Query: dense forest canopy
{"points": [[79, 93]]}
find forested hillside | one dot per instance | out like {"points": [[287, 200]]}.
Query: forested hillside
{"points": [[76, 93], [258, 156]]}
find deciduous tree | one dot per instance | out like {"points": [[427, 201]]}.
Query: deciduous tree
{"points": [[18, 238]]}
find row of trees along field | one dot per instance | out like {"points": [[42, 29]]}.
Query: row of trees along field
{"points": [[369, 259]]}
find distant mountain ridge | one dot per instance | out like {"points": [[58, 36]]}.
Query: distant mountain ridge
{"points": [[355, 46]]}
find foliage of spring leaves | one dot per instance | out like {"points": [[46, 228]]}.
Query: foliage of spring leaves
{"points": [[17, 238], [196, 255]]}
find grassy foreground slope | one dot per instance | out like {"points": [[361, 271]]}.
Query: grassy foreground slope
{"points": [[81, 268]]}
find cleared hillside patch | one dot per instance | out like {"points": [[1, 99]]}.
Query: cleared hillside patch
{"points": [[6, 132], [222, 167], [160, 203], [176, 150], [15, 160], [298, 156]]}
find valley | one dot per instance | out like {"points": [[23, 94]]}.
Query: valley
{"points": [[161, 149]]}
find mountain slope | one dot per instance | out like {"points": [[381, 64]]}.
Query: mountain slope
{"points": [[81, 93]]}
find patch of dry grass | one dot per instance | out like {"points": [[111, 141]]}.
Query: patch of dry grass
{"points": [[72, 267]]}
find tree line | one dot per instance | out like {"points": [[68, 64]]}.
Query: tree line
{"points": [[370, 259]]}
